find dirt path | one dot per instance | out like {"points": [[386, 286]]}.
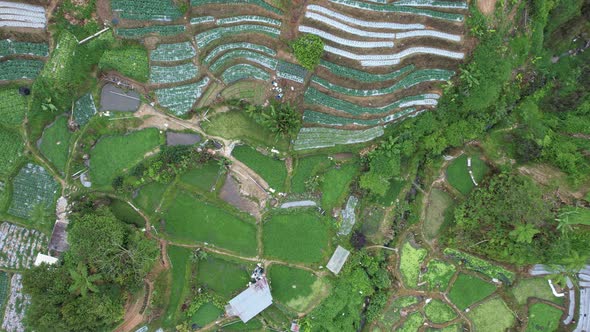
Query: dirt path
{"points": [[487, 7], [132, 317]]}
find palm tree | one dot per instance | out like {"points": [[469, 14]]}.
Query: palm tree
{"points": [[524, 233], [82, 281], [563, 222]]}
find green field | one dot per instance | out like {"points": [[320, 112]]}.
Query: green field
{"points": [[150, 195], [224, 277], [272, 170], [301, 237], [206, 314], [203, 178], [439, 312], [412, 323], [307, 167], [179, 259], [4, 288], [436, 213], [491, 316], [335, 185], [458, 175], [126, 213], [252, 325], [253, 91], [534, 287], [543, 318], [11, 145], [439, 274], [132, 62], [112, 155], [468, 289], [212, 224], [410, 262], [13, 107], [295, 288], [392, 314], [372, 217], [55, 143], [238, 125]]}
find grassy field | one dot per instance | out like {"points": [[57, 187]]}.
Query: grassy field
{"points": [[372, 217], [491, 316], [468, 289], [113, 155], [413, 323], [129, 61], [212, 224], [206, 314], [336, 183], [272, 170], [203, 177], [150, 195], [295, 288], [253, 91], [392, 314], [458, 175], [276, 318], [307, 167], [179, 259], [439, 312], [439, 274], [301, 237], [55, 143], [224, 277], [252, 325], [436, 212], [125, 213], [238, 125], [543, 318], [11, 145], [410, 261], [534, 287], [13, 107]]}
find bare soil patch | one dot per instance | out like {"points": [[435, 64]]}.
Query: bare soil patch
{"points": [[231, 192], [486, 6]]}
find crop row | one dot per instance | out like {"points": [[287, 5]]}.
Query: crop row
{"points": [[9, 47], [205, 38], [414, 78], [406, 9], [362, 23], [84, 109], [316, 137], [258, 58], [32, 187], [202, 20], [13, 107], [314, 96], [364, 76], [243, 45], [173, 74], [153, 10], [260, 3], [20, 69], [249, 18], [291, 71], [348, 29], [180, 99], [343, 41], [244, 71], [334, 120], [377, 60], [173, 52], [16, 306], [162, 30], [19, 246]]}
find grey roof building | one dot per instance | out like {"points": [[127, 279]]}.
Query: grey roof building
{"points": [[250, 302], [338, 259]]}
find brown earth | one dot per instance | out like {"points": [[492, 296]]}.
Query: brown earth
{"points": [[486, 6]]}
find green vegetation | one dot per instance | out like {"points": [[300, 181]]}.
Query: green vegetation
{"points": [[130, 61], [295, 288], [543, 317], [308, 50], [272, 170], [575, 215], [458, 173], [412, 323], [55, 143], [306, 231], [439, 312], [335, 184], [484, 267], [11, 145], [224, 277], [410, 261], [305, 169], [468, 289], [492, 315], [281, 119], [179, 259], [252, 91], [202, 177], [534, 287], [126, 213], [206, 314], [13, 107], [392, 314], [114, 154], [212, 224], [384, 165], [238, 125], [439, 274], [150, 195], [437, 212]]}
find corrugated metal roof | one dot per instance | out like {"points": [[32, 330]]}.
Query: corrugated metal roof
{"points": [[252, 301], [338, 259]]}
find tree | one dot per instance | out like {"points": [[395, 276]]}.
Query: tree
{"points": [[281, 119], [524, 233], [82, 281], [308, 50]]}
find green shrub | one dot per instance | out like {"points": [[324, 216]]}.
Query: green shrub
{"points": [[308, 50], [130, 61]]}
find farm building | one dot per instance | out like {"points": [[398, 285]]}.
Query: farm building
{"points": [[250, 302], [338, 259]]}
